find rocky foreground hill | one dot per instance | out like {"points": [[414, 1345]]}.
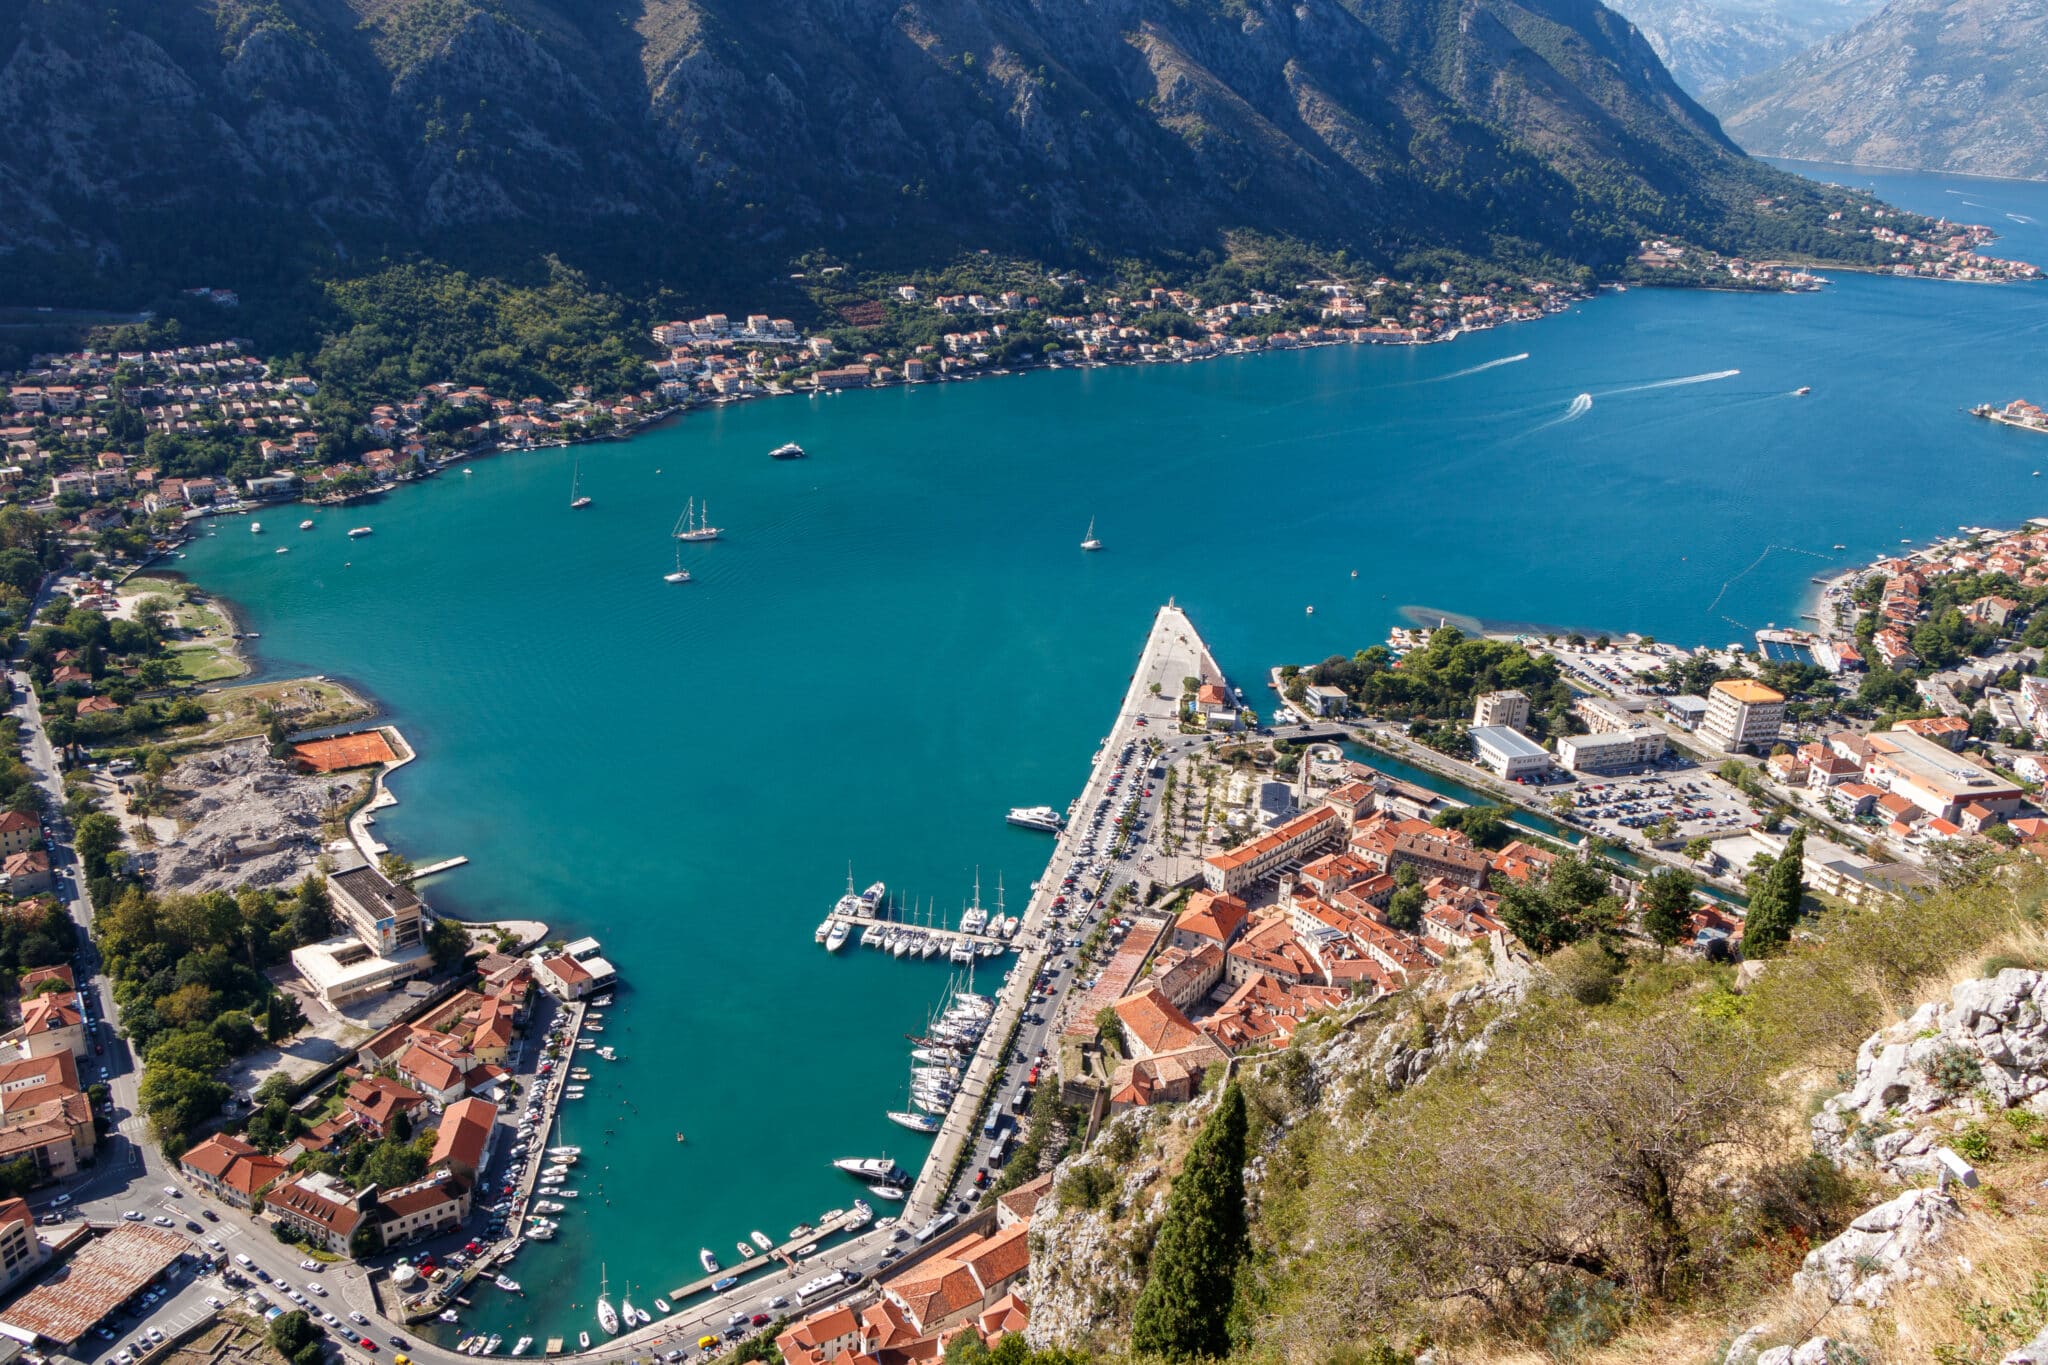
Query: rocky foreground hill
{"points": [[1938, 85], [184, 134]]}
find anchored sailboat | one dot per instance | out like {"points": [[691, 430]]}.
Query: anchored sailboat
{"points": [[1089, 542], [681, 575], [607, 1316], [576, 498], [689, 527]]}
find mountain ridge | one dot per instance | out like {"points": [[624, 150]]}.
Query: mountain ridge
{"points": [[198, 135], [1950, 85]]}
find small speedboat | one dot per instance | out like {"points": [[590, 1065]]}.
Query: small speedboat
{"points": [[709, 1262], [746, 1251], [761, 1240], [801, 1230], [521, 1347], [447, 1315], [506, 1283], [491, 1346], [306, 525], [582, 1338], [662, 1307]]}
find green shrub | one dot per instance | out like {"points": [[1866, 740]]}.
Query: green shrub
{"points": [[1973, 1143], [1954, 1071]]}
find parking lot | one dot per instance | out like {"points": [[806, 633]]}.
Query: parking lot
{"points": [[1697, 803]]}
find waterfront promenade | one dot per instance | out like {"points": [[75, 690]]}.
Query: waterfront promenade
{"points": [[1174, 650]]}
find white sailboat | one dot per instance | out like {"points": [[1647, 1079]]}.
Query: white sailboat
{"points": [[681, 575], [607, 1316], [576, 498], [1089, 542], [690, 527]]}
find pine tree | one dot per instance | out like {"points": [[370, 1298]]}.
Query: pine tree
{"points": [[1184, 1311], [1775, 907], [1666, 900]]}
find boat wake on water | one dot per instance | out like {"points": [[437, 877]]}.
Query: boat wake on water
{"points": [[1707, 378], [1479, 369], [1581, 405]]}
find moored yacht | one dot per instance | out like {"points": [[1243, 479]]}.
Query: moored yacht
{"points": [[709, 1262], [1036, 817], [761, 1240], [693, 528], [871, 899], [824, 930], [607, 1316], [788, 450], [868, 1167], [836, 940]]}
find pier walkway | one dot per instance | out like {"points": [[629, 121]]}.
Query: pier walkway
{"points": [[1173, 651]]}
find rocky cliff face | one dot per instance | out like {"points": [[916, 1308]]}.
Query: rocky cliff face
{"points": [[685, 124], [1939, 85], [1089, 1263], [1708, 43]]}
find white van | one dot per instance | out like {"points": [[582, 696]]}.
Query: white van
{"points": [[243, 1261]]}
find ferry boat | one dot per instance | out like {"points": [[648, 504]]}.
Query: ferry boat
{"points": [[788, 450], [707, 1260], [690, 527], [358, 532], [1036, 817], [836, 940], [607, 1316]]}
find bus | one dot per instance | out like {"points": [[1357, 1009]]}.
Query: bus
{"points": [[993, 1124], [1020, 1101]]}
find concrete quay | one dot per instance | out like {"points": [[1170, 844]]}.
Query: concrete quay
{"points": [[1174, 650]]}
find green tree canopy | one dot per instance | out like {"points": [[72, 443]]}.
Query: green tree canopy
{"points": [[1183, 1313]]}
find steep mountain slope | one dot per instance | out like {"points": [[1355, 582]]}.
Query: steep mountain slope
{"points": [[1708, 43], [1940, 85], [202, 133]]}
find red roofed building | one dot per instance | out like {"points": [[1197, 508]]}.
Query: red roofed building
{"points": [[19, 833], [463, 1141], [1271, 947], [26, 873], [434, 1071], [565, 977], [1152, 1023], [1303, 837], [1520, 862], [375, 1100], [230, 1169], [1210, 918], [319, 1209], [822, 1337]]}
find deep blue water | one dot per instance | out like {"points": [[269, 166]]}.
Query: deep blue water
{"points": [[899, 640]]}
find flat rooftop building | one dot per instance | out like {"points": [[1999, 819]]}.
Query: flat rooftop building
{"points": [[1925, 772], [101, 1278], [1509, 752]]}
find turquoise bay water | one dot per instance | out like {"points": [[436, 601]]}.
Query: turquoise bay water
{"points": [[899, 640]]}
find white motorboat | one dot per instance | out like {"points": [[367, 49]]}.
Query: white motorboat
{"points": [[662, 1307], [609, 1054], [306, 525], [1036, 817], [746, 1251], [358, 532], [521, 1348], [824, 930], [761, 1240], [255, 528], [491, 1346], [836, 940], [582, 1338], [282, 550], [559, 1152], [871, 899], [788, 450], [446, 1315], [709, 1262], [868, 1167], [506, 1283]]}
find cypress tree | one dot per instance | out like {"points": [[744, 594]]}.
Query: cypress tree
{"points": [[1184, 1311], [1775, 907]]}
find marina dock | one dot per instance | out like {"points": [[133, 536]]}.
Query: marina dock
{"points": [[1173, 651], [785, 1254]]}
